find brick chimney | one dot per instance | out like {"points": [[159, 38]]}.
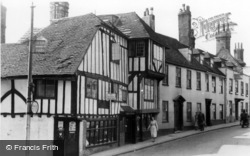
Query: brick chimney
{"points": [[58, 10], [239, 52], [3, 23], [223, 37], [149, 18], [186, 34]]}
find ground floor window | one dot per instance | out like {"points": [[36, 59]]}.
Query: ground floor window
{"points": [[101, 131], [221, 111], [189, 111], [198, 107], [165, 111], [247, 107], [214, 111], [231, 107]]}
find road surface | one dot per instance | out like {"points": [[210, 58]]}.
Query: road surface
{"points": [[234, 141]]}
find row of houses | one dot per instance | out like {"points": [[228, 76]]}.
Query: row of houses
{"points": [[98, 80]]}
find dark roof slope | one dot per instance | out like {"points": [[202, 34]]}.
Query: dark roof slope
{"points": [[132, 25], [68, 40], [173, 56], [225, 54]]}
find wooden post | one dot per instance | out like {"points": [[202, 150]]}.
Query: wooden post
{"points": [[30, 83]]}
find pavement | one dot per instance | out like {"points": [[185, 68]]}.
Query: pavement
{"points": [[160, 140]]}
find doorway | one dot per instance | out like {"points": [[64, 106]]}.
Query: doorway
{"points": [[208, 111], [66, 136], [178, 112], [130, 129]]}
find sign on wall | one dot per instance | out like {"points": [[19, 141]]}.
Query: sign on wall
{"points": [[207, 28]]}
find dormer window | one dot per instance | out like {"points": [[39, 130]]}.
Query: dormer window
{"points": [[40, 45], [211, 62]]}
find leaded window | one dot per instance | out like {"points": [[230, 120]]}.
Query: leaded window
{"points": [[91, 88], [189, 79], [178, 77], [45, 89], [198, 84], [165, 111]]}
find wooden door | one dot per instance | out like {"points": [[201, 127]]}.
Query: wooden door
{"points": [[178, 115], [208, 111], [66, 131]]}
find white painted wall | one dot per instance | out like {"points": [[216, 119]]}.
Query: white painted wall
{"points": [[41, 128], [168, 93]]}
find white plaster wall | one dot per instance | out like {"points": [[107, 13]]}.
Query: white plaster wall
{"points": [[22, 86], [5, 86], [168, 93], [41, 128]]}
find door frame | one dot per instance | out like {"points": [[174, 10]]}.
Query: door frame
{"points": [[208, 111], [66, 121]]}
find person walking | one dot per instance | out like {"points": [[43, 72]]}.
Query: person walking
{"points": [[201, 121], [153, 127], [196, 120]]}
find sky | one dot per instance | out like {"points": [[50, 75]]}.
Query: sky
{"points": [[165, 11]]}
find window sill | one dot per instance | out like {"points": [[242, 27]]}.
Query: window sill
{"points": [[178, 86], [198, 89], [165, 84], [165, 121]]}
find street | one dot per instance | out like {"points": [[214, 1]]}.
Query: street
{"points": [[233, 141]]}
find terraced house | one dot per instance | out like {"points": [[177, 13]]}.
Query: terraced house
{"points": [[98, 80]]}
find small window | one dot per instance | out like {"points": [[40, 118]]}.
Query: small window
{"points": [[231, 107], [136, 49], [230, 86], [242, 88], [246, 89], [149, 90], [214, 111], [124, 95], [236, 87], [165, 80], [45, 89], [115, 53], [221, 111], [221, 85], [91, 88], [178, 77], [189, 79], [198, 81], [165, 111], [189, 111], [140, 48], [246, 107], [207, 82], [214, 84], [199, 107]]}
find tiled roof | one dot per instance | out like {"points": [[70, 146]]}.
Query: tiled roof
{"points": [[14, 59], [132, 26], [213, 69], [173, 56], [225, 54], [68, 40], [26, 36]]}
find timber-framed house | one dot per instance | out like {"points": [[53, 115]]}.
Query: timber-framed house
{"points": [[146, 59], [80, 76]]}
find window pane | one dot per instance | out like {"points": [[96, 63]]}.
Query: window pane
{"points": [[40, 89], [140, 48], [50, 88], [91, 88]]}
